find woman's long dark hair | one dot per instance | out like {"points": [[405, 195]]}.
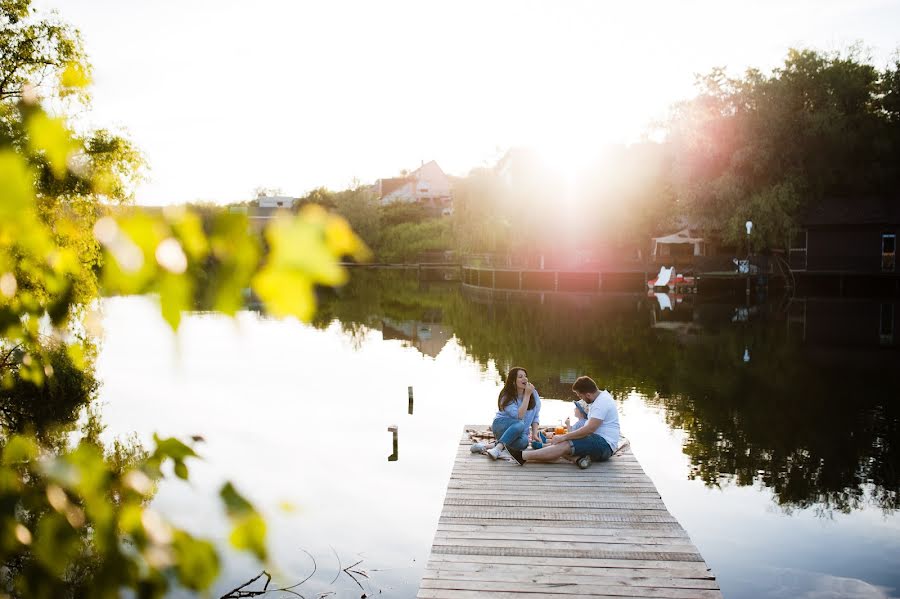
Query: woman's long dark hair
{"points": [[509, 393]]}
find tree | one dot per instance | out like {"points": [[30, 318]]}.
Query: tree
{"points": [[37, 49], [74, 520], [764, 146], [479, 218], [358, 205]]}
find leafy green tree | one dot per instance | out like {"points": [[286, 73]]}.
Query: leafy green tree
{"points": [[480, 220], [406, 241], [36, 50], [762, 147], [403, 212], [319, 196], [360, 207], [74, 521]]}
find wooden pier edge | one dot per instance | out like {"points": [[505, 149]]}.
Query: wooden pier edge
{"points": [[555, 531]]}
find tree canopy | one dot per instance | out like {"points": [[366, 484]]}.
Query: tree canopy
{"points": [[764, 146]]}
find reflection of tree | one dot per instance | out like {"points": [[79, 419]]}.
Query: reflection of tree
{"points": [[45, 408], [373, 296], [603, 336], [823, 435], [819, 433], [51, 412]]}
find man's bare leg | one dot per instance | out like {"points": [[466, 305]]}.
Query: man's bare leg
{"points": [[548, 453]]}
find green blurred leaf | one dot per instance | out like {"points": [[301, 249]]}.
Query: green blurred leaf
{"points": [[181, 470], [197, 562], [49, 135], [173, 448], [298, 244], [249, 534], [248, 527], [286, 293], [55, 543], [189, 229], [75, 75], [235, 504], [175, 294], [16, 192], [236, 255], [19, 449]]}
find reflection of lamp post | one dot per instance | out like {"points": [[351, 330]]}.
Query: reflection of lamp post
{"points": [[749, 225]]}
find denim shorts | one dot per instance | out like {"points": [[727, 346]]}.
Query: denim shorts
{"points": [[592, 445]]}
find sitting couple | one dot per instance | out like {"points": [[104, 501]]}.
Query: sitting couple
{"points": [[594, 438]]}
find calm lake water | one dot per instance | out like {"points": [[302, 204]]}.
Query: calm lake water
{"points": [[772, 433]]}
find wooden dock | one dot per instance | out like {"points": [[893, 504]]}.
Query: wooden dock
{"points": [[554, 531]]}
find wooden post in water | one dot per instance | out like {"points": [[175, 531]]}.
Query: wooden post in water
{"points": [[393, 457], [409, 390]]}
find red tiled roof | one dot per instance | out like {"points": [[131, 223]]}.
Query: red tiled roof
{"points": [[389, 185]]}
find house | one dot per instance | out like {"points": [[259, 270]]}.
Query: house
{"points": [[848, 235], [428, 184], [266, 201], [268, 206], [428, 337]]}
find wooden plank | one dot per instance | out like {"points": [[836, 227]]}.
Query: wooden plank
{"points": [[467, 594], [596, 572], [595, 486], [548, 531], [636, 552], [513, 499], [644, 544], [558, 516], [516, 521], [483, 490], [628, 498], [506, 531], [560, 562], [458, 594], [545, 503], [612, 542], [579, 590], [570, 578]]}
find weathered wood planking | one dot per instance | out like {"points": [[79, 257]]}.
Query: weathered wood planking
{"points": [[552, 530]]}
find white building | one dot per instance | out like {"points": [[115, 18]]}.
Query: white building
{"points": [[276, 201], [427, 184]]}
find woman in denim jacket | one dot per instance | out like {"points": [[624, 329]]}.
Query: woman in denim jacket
{"points": [[518, 411]]}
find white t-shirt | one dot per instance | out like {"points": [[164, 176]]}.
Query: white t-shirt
{"points": [[604, 408]]}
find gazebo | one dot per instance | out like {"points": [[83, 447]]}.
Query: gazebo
{"points": [[678, 248]]}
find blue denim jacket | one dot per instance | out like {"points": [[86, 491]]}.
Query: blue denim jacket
{"points": [[512, 411]]}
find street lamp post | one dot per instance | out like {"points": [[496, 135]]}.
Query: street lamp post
{"points": [[749, 226]]}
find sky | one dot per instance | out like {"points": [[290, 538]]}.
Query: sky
{"points": [[226, 96]]}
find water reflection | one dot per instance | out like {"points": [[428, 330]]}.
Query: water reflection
{"points": [[737, 449], [811, 416]]}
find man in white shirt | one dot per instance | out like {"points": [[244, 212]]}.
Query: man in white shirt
{"points": [[596, 441]]}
